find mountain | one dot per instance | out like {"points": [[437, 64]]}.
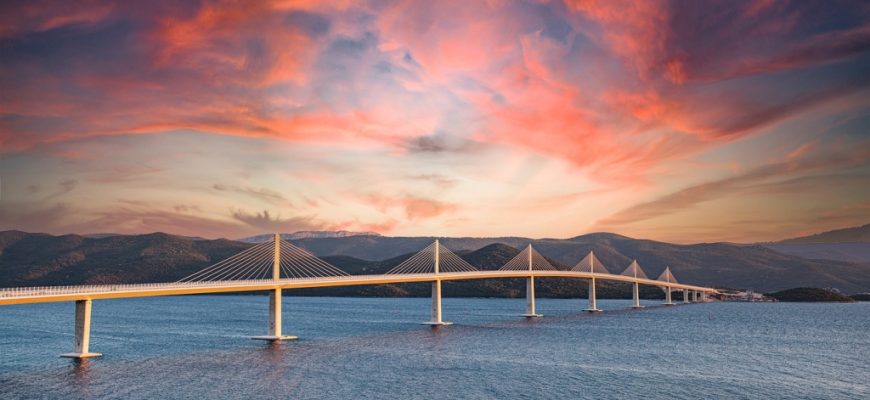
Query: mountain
{"points": [[851, 252], [722, 264], [32, 259], [28, 259], [850, 244], [306, 235], [858, 234]]}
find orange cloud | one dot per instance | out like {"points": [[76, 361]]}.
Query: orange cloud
{"points": [[415, 208]]}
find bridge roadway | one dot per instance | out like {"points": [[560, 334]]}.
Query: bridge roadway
{"points": [[48, 294]]}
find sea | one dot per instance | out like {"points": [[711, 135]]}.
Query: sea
{"points": [[199, 347]]}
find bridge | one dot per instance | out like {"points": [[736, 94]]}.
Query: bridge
{"points": [[278, 265]]}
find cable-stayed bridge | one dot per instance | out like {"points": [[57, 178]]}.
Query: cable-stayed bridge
{"points": [[278, 265]]}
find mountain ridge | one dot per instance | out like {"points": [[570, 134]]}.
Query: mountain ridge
{"points": [[855, 234], [305, 235], [42, 259], [847, 244]]}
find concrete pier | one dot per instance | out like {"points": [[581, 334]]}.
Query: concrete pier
{"points": [[530, 299], [686, 296], [82, 332], [668, 301], [593, 302], [436, 306], [636, 296], [274, 319]]}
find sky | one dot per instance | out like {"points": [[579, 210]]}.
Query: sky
{"points": [[682, 121]]}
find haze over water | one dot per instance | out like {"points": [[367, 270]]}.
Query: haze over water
{"points": [[198, 347]]}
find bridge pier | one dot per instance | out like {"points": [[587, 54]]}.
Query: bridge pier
{"points": [[668, 301], [274, 319], [436, 306], [593, 303], [636, 296], [530, 299], [275, 299], [686, 296], [82, 332]]}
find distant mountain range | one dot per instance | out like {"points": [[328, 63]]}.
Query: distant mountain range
{"points": [[306, 235], [850, 244], [858, 234], [28, 259]]}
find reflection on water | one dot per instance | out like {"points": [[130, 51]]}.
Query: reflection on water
{"points": [[199, 347]]}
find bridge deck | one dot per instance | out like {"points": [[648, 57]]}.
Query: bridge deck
{"points": [[97, 292]]}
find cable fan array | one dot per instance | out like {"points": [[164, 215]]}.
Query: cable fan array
{"points": [[258, 261], [424, 262], [590, 264], [634, 271], [667, 276], [522, 262]]}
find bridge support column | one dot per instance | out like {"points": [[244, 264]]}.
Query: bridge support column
{"points": [[686, 296], [704, 297], [668, 301], [82, 332], [436, 306], [636, 296], [274, 319], [530, 299], [593, 303]]}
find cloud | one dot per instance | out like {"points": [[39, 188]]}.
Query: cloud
{"points": [[441, 181], [123, 218], [265, 222], [262, 194], [24, 17], [784, 176], [31, 218], [415, 208], [65, 186]]}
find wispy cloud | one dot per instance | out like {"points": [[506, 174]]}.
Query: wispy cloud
{"points": [[262, 194]]}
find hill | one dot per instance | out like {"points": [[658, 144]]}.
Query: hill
{"points": [[32, 259], [28, 259], [722, 264], [850, 244], [306, 234], [851, 252], [806, 294], [858, 234]]}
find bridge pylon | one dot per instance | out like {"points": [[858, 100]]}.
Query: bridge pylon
{"points": [[529, 260], [434, 259], [636, 272], [275, 323], [436, 290], [668, 278], [591, 265]]}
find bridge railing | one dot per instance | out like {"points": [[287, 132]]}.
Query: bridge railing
{"points": [[82, 289], [104, 288]]}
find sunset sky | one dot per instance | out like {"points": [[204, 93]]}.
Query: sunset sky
{"points": [[682, 121]]}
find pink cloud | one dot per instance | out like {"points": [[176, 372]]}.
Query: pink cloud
{"points": [[415, 208]]}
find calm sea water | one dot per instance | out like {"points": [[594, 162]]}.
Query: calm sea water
{"points": [[350, 348]]}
